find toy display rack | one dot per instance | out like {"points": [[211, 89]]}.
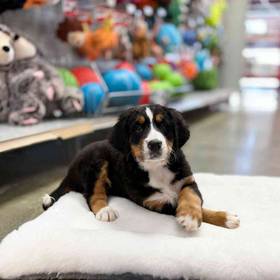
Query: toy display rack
{"points": [[14, 137], [158, 97]]}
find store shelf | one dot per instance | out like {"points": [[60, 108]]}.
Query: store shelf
{"points": [[198, 100], [14, 137]]}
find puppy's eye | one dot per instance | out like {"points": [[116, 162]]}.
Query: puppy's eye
{"points": [[139, 129], [161, 123], [16, 37]]}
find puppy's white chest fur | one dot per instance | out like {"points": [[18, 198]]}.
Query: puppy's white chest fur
{"points": [[161, 178]]}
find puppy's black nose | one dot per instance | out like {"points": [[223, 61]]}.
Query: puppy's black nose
{"points": [[6, 49], [154, 145]]}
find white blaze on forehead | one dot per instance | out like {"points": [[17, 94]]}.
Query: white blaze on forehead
{"points": [[154, 134]]}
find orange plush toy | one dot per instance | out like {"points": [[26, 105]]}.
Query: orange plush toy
{"points": [[34, 3], [94, 44]]}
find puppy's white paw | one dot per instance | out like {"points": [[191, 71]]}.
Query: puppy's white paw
{"points": [[47, 201], [107, 214], [188, 222], [232, 221]]}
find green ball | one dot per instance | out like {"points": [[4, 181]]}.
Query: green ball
{"points": [[162, 70], [176, 79], [68, 78], [206, 80], [160, 86]]}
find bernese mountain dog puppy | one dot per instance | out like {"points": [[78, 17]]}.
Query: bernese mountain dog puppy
{"points": [[142, 161]]}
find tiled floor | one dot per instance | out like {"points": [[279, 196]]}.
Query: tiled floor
{"points": [[236, 143], [225, 142]]}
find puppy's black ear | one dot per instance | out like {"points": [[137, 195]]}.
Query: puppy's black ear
{"points": [[182, 133], [119, 138]]}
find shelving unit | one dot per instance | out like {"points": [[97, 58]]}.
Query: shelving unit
{"points": [[13, 137]]}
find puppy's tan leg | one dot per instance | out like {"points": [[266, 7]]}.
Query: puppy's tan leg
{"points": [[189, 211], [220, 218], [155, 205], [99, 201]]}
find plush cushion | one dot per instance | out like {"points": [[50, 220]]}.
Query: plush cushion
{"points": [[68, 239]]}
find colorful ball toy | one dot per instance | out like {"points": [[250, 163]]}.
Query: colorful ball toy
{"points": [[125, 65], [85, 75], [144, 71], [146, 95], [68, 78], [160, 86], [162, 70], [189, 37], [122, 80], [176, 79], [206, 80], [202, 58], [94, 95], [189, 69]]}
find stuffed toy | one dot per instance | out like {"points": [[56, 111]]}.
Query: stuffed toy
{"points": [[140, 40], [68, 25], [6, 59], [31, 88], [36, 89], [24, 4], [95, 44], [124, 50]]}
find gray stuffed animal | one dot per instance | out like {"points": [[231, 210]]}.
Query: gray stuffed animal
{"points": [[36, 90], [6, 59]]}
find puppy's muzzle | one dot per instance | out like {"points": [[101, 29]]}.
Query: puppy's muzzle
{"points": [[155, 148]]}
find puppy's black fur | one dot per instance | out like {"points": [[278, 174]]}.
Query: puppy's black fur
{"points": [[126, 177]]}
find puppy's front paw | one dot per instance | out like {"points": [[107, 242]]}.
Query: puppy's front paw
{"points": [[107, 214], [189, 223], [232, 221], [190, 218]]}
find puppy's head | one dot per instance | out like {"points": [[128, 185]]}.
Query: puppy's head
{"points": [[150, 133]]}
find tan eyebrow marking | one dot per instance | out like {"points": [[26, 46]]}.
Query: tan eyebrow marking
{"points": [[159, 118], [140, 119]]}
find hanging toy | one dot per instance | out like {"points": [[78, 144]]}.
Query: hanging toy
{"points": [[168, 37], [216, 13]]}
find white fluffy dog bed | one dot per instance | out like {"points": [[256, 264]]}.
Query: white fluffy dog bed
{"points": [[67, 237]]}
